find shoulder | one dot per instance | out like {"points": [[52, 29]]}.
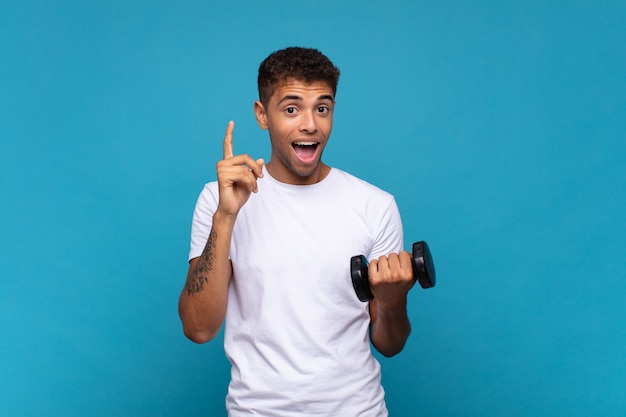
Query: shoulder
{"points": [[360, 186], [209, 192], [207, 199], [210, 187]]}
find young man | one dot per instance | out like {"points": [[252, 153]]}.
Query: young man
{"points": [[270, 251]]}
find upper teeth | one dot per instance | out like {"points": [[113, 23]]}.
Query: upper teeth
{"points": [[305, 143]]}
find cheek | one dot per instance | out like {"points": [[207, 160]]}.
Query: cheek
{"points": [[279, 136], [282, 126], [276, 131], [327, 122], [327, 127]]}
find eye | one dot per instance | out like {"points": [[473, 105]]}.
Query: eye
{"points": [[323, 109], [290, 110]]}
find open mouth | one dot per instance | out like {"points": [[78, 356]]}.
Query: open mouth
{"points": [[306, 151]]}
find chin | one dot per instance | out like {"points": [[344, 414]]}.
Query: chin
{"points": [[306, 171]]}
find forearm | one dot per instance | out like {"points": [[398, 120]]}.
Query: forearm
{"points": [[203, 301], [390, 327]]}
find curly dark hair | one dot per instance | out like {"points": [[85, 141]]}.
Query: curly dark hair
{"points": [[303, 64]]}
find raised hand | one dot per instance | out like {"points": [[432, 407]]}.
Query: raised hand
{"points": [[236, 176]]}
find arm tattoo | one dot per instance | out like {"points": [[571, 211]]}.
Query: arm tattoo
{"points": [[198, 278]]}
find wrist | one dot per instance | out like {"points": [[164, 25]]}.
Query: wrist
{"points": [[221, 220], [396, 306]]}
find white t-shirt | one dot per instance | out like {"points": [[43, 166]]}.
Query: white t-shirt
{"points": [[295, 332]]}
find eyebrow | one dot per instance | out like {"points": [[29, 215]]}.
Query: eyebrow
{"points": [[299, 98]]}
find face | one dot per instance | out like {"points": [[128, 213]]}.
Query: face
{"points": [[299, 117]]}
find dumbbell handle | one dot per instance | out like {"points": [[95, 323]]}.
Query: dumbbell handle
{"points": [[423, 271]]}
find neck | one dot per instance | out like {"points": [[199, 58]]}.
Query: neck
{"points": [[281, 174]]}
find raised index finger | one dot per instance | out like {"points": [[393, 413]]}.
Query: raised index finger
{"points": [[228, 140]]}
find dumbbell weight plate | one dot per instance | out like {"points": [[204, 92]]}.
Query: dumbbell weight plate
{"points": [[360, 281], [423, 265]]}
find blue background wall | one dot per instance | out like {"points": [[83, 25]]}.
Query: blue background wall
{"points": [[499, 126]]}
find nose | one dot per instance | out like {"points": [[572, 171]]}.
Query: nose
{"points": [[308, 123]]}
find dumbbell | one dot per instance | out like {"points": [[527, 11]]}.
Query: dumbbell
{"points": [[423, 271]]}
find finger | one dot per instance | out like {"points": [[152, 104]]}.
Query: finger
{"points": [[394, 261], [381, 268], [255, 166], [258, 171], [383, 263], [406, 260], [243, 177], [374, 264], [239, 171], [396, 272], [228, 140]]}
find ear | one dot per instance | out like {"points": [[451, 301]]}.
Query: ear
{"points": [[261, 116]]}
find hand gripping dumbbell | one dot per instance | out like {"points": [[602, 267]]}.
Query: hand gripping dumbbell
{"points": [[423, 271]]}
